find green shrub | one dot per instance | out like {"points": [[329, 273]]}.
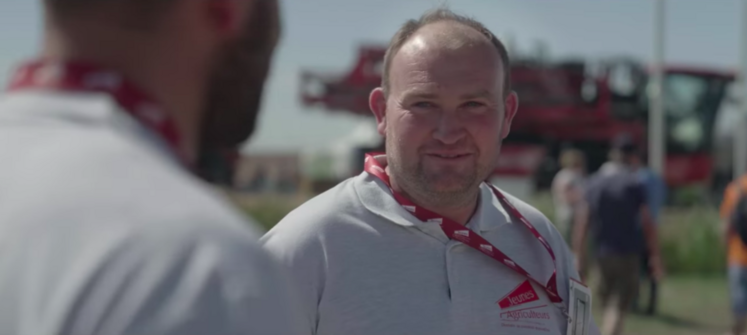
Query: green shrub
{"points": [[268, 212], [689, 237], [691, 242]]}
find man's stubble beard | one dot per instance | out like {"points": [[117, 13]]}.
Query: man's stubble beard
{"points": [[234, 96], [421, 185], [237, 80]]}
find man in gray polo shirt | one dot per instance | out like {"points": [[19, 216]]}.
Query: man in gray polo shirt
{"points": [[364, 255]]}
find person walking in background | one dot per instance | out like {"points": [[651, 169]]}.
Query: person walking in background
{"points": [[617, 211], [105, 227], [656, 195], [734, 201], [568, 190], [418, 243]]}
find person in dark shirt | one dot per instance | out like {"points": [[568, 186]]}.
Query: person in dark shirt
{"points": [[616, 212]]}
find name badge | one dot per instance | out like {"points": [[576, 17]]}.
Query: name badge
{"points": [[579, 308]]}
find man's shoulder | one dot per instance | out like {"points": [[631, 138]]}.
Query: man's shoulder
{"points": [[615, 177], [332, 208], [741, 182], [65, 169], [594, 179], [735, 188]]}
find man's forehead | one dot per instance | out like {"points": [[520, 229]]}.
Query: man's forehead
{"points": [[445, 53], [435, 92], [445, 35]]}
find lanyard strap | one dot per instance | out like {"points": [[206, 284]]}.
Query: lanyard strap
{"points": [[456, 231], [82, 77]]}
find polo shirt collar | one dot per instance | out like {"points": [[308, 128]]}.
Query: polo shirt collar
{"points": [[85, 109], [378, 199], [490, 213]]}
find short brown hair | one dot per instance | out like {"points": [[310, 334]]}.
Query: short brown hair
{"points": [[437, 15]]}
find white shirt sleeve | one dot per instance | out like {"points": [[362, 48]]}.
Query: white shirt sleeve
{"points": [[215, 283]]}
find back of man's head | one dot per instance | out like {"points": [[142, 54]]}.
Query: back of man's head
{"points": [[206, 61], [133, 13], [624, 149]]}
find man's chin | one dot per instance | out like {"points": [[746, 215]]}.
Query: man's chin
{"points": [[449, 184]]}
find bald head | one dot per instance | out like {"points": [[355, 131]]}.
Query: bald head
{"points": [[447, 35], [440, 31], [445, 52]]}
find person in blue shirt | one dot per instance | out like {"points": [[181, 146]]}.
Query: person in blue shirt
{"points": [[655, 186], [656, 194]]}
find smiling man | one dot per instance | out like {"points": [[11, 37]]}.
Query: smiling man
{"points": [[419, 243]]}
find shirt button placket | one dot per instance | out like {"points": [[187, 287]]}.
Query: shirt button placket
{"points": [[452, 273]]}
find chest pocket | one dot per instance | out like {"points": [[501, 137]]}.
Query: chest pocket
{"points": [[497, 299], [526, 309]]}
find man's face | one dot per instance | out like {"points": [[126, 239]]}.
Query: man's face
{"points": [[445, 115], [238, 77]]}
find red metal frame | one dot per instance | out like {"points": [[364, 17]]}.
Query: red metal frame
{"points": [[572, 121]]}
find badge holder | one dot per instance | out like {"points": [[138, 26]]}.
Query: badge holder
{"points": [[579, 304]]}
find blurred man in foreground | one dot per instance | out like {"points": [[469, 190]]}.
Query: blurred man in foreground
{"points": [[103, 227], [617, 210], [418, 243], [734, 221]]}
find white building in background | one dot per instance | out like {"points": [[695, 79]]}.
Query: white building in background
{"points": [[338, 160], [727, 123]]}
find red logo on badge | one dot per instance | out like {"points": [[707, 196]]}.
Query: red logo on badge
{"points": [[522, 294]]}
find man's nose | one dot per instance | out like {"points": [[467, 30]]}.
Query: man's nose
{"points": [[450, 129]]}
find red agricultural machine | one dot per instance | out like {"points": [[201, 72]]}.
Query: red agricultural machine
{"points": [[572, 104]]}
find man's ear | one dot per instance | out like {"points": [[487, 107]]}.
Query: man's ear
{"points": [[377, 103], [510, 107], [227, 17]]}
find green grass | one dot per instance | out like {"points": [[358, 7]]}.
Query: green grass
{"points": [[267, 211], [688, 305]]}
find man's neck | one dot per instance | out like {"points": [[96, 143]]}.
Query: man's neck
{"points": [[179, 94], [458, 209]]}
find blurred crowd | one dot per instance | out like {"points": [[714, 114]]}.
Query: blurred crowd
{"points": [[610, 219]]}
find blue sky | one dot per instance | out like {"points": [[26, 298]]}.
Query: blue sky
{"points": [[324, 35]]}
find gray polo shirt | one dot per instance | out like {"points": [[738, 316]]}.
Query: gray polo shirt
{"points": [[365, 266], [102, 232]]}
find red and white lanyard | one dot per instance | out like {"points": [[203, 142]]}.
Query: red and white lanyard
{"points": [[83, 77], [456, 231]]}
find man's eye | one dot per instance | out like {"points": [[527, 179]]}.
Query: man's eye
{"points": [[473, 104], [423, 104]]}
